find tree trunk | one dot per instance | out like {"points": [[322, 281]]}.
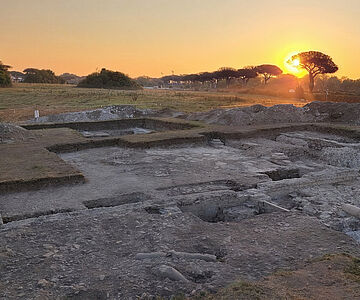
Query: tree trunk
{"points": [[228, 79], [266, 78], [311, 82]]}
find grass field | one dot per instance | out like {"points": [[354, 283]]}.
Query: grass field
{"points": [[19, 102]]}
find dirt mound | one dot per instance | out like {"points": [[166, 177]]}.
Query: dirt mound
{"points": [[335, 112], [169, 113], [282, 113], [254, 115], [251, 115], [100, 114], [10, 133]]}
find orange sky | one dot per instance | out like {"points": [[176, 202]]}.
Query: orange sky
{"points": [[155, 37]]}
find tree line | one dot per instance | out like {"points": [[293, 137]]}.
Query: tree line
{"points": [[245, 74], [314, 62], [333, 84], [29, 75]]}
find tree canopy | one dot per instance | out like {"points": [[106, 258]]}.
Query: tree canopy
{"points": [[247, 73], [225, 73], [106, 79], [33, 75], [315, 63], [268, 71], [5, 80]]}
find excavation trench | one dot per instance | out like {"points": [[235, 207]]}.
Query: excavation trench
{"points": [[281, 174], [117, 200]]}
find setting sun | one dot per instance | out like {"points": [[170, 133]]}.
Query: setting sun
{"points": [[292, 66], [295, 62]]}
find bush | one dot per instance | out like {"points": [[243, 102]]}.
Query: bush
{"points": [[41, 76], [109, 80], [5, 80]]}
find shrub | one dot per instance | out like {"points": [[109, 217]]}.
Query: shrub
{"points": [[5, 80], [106, 79], [41, 76]]}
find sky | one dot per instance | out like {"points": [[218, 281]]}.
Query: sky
{"points": [[158, 37]]}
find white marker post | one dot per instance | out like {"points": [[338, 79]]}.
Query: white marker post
{"points": [[36, 114]]}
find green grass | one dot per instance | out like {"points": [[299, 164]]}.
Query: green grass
{"points": [[353, 269], [240, 290], [60, 98]]}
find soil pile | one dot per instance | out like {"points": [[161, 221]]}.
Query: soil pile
{"points": [[282, 113], [335, 112], [10, 133], [100, 114], [253, 115], [242, 116]]}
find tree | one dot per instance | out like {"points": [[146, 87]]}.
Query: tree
{"points": [[170, 78], [247, 73], [106, 79], [206, 76], [33, 75], [5, 80], [315, 63], [226, 73], [268, 71], [190, 77]]}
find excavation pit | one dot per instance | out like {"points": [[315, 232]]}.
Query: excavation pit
{"points": [[119, 132], [187, 170], [116, 200], [281, 174], [117, 127], [261, 195]]}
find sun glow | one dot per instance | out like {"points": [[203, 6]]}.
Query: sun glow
{"points": [[293, 66], [295, 62]]}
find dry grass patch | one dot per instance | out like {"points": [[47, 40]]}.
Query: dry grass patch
{"points": [[18, 103], [332, 277]]}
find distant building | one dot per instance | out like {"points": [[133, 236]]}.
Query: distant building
{"points": [[17, 76]]}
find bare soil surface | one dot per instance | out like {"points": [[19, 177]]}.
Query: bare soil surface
{"points": [[188, 219], [92, 254]]}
